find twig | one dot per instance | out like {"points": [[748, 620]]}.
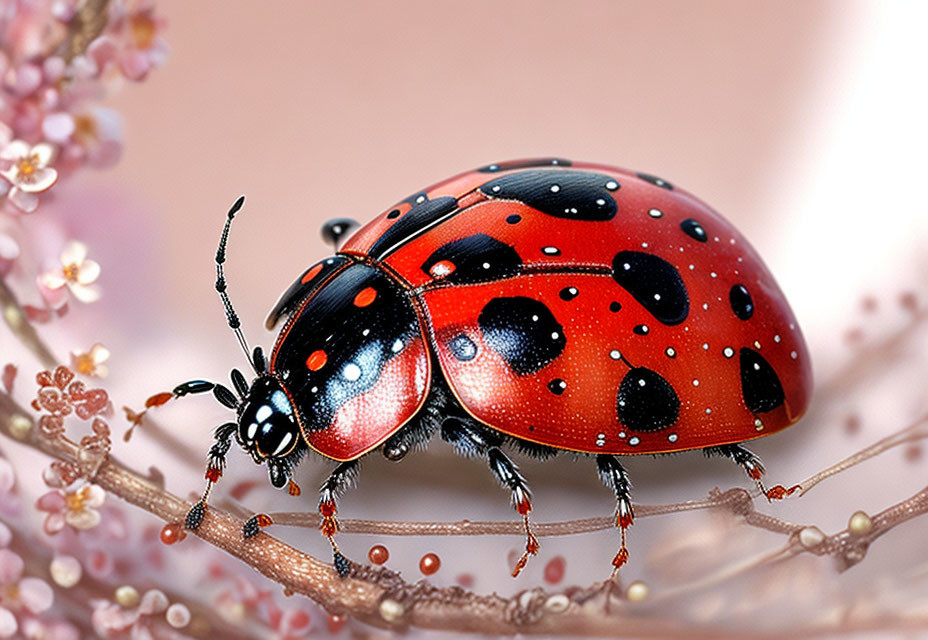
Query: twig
{"points": [[19, 324]]}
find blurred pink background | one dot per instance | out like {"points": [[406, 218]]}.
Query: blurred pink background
{"points": [[802, 122]]}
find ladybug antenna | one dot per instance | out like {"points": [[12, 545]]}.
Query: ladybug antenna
{"points": [[231, 317]]}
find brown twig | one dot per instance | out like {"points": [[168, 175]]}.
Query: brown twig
{"points": [[19, 324], [382, 598]]}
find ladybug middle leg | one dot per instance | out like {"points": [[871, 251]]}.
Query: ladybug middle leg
{"points": [[470, 440], [615, 477], [340, 479], [746, 459]]}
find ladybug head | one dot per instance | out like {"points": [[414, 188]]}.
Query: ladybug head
{"points": [[268, 428]]}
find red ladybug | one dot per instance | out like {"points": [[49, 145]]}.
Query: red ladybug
{"points": [[541, 305]]}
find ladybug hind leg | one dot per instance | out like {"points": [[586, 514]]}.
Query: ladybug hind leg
{"points": [[615, 477], [470, 440], [214, 467], [344, 475]]}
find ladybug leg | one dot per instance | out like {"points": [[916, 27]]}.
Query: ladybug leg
{"points": [[509, 476], [469, 440], [214, 467], [748, 461], [344, 475], [615, 477]]}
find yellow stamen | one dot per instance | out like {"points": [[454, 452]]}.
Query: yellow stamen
{"points": [[84, 364], [71, 272], [27, 166], [143, 30]]}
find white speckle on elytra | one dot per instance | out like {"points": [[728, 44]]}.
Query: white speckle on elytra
{"points": [[731, 241], [655, 213], [792, 326], [644, 245], [758, 425], [695, 383], [420, 199], [615, 355], [672, 437], [716, 238], [555, 335], [776, 338], [633, 441], [555, 188], [705, 346], [708, 410], [728, 352], [671, 352], [496, 188], [793, 355], [600, 202], [612, 185], [534, 318], [621, 434], [756, 344], [705, 306], [692, 266], [714, 274], [657, 296]]}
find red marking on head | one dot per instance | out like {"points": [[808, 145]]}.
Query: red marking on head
{"points": [[316, 360], [365, 297], [312, 273], [442, 268]]}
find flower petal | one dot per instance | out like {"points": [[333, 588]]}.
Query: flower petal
{"points": [[41, 180], [99, 353], [11, 567], [85, 294], [8, 624], [22, 200], [15, 150], [82, 518], [73, 253], [88, 272], [52, 280], [58, 127], [36, 594], [54, 522], [44, 153], [94, 496]]}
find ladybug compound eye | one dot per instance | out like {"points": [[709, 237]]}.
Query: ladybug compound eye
{"points": [[267, 424]]}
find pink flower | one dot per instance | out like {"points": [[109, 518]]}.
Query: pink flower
{"points": [[91, 362], [18, 594], [9, 252], [93, 136], [131, 42], [77, 272], [75, 506], [26, 169]]}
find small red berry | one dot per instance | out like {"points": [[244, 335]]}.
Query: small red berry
{"points": [[173, 532], [335, 623], [554, 570], [378, 554], [429, 564]]}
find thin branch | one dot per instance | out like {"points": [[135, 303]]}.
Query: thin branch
{"points": [[19, 324]]}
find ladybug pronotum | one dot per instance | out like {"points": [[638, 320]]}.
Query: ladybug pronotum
{"points": [[542, 305]]}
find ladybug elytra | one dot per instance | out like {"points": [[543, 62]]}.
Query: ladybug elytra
{"points": [[538, 304]]}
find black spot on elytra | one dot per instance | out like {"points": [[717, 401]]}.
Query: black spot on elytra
{"points": [[557, 386], [462, 347], [525, 164], [514, 219], [394, 214], [760, 384], [646, 401], [656, 181], [523, 331], [568, 293], [575, 195], [653, 282], [416, 219], [694, 230], [476, 258], [615, 307], [741, 302], [641, 329]]}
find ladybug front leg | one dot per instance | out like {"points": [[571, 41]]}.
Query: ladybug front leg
{"points": [[214, 467], [344, 475], [615, 477], [469, 440]]}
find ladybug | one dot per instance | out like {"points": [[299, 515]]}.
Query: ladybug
{"points": [[538, 305]]}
